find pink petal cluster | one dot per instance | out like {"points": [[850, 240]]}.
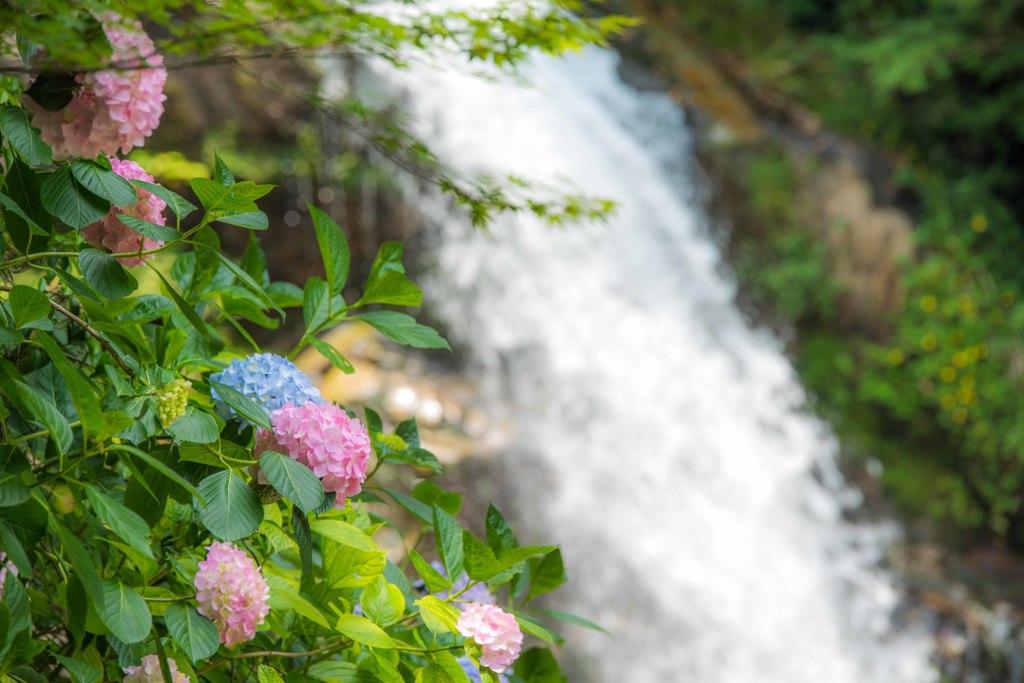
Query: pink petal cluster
{"points": [[324, 439], [148, 671], [5, 566], [114, 108], [111, 234], [232, 593], [496, 631]]}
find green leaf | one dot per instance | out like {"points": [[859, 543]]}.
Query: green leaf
{"points": [[65, 199], [175, 202], [254, 220], [195, 426], [185, 307], [433, 674], [121, 520], [404, 329], [344, 533], [12, 490], [387, 283], [16, 125], [160, 233], [333, 249], [42, 410], [244, 278], [242, 404], [435, 580], [546, 575], [538, 665], [221, 173], [480, 562], [124, 612], [438, 615], [573, 619], [215, 197], [194, 634], [159, 467], [362, 630], [535, 629], [448, 535], [382, 602], [232, 510], [13, 207], [332, 354], [283, 595], [267, 675], [105, 274], [81, 672], [293, 480], [411, 505], [28, 305], [316, 301], [103, 182], [500, 536]]}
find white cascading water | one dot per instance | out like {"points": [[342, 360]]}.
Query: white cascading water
{"points": [[658, 437]]}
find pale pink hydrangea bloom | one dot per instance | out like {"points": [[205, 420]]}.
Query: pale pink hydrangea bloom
{"points": [[111, 234], [113, 109], [496, 632], [149, 671], [232, 593], [5, 566], [324, 439]]}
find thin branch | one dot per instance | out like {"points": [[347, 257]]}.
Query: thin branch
{"points": [[275, 653]]}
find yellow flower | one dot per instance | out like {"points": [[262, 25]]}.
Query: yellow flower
{"points": [[979, 223], [895, 356], [947, 374], [929, 342], [929, 303], [960, 415]]}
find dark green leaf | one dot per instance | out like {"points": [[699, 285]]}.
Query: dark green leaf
{"points": [[12, 490], [423, 512], [124, 612], [404, 329], [448, 535], [538, 665], [122, 521], [103, 182], [573, 619], [51, 90], [293, 480], [232, 510], [195, 426], [81, 672], [247, 408], [185, 307], [194, 634], [28, 305], [333, 249], [105, 274], [67, 200], [500, 536], [42, 410], [16, 125]]}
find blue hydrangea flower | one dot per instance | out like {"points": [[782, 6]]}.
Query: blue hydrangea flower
{"points": [[268, 379], [473, 672]]}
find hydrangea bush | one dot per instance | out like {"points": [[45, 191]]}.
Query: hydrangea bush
{"points": [[177, 505]]}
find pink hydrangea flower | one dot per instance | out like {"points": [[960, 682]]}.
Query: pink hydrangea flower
{"points": [[114, 109], [324, 439], [111, 234], [149, 671], [5, 566], [496, 632], [232, 593]]}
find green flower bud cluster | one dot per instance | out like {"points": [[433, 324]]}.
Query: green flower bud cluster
{"points": [[171, 400]]}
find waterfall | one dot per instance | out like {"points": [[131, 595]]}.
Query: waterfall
{"points": [[657, 437]]}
